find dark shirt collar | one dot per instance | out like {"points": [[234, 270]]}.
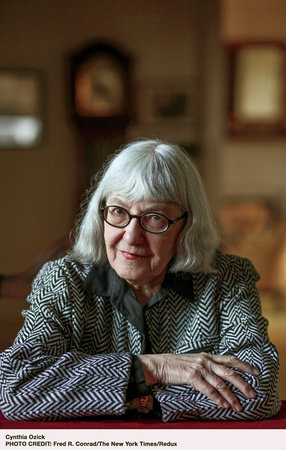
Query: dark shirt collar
{"points": [[102, 280]]}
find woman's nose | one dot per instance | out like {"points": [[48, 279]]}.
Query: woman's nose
{"points": [[133, 233]]}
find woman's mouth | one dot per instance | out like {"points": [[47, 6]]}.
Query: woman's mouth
{"points": [[132, 256]]}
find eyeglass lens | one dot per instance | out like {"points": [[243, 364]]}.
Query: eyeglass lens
{"points": [[119, 217]]}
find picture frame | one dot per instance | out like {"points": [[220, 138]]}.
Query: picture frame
{"points": [[21, 108], [256, 88], [167, 108]]}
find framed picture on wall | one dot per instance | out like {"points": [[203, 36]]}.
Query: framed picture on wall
{"points": [[21, 108], [167, 108], [257, 88]]}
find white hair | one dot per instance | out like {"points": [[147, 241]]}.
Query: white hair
{"points": [[155, 171]]}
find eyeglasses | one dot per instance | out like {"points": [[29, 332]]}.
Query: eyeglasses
{"points": [[152, 222]]}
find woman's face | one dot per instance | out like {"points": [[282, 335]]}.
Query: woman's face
{"points": [[136, 255]]}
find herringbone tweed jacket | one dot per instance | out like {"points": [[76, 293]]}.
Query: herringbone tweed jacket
{"points": [[73, 356]]}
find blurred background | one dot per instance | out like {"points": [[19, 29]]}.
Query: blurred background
{"points": [[209, 75]]}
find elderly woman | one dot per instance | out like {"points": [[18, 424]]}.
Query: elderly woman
{"points": [[145, 313]]}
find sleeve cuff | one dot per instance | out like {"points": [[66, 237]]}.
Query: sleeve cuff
{"points": [[137, 385]]}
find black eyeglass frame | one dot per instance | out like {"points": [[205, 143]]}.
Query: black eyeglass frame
{"points": [[134, 216]]}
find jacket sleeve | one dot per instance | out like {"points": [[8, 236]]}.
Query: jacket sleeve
{"points": [[45, 375], [242, 332]]}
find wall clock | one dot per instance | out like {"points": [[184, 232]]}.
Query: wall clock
{"points": [[99, 89], [100, 103], [101, 94]]}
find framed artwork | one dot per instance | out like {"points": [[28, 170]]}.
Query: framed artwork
{"points": [[257, 88], [21, 108], [167, 108]]}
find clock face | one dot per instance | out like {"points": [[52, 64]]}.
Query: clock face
{"points": [[99, 88]]}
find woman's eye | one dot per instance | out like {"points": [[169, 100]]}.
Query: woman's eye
{"points": [[155, 218], [118, 211]]}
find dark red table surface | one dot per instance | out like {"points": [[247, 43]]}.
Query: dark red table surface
{"points": [[277, 422]]}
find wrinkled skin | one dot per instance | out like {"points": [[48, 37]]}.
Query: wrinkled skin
{"points": [[207, 373]]}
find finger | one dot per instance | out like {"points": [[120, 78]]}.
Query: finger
{"points": [[232, 361], [234, 378], [220, 389], [214, 394]]}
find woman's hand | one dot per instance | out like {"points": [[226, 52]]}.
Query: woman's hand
{"points": [[202, 371]]}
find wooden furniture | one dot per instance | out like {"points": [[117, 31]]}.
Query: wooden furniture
{"points": [[15, 288], [19, 285]]}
